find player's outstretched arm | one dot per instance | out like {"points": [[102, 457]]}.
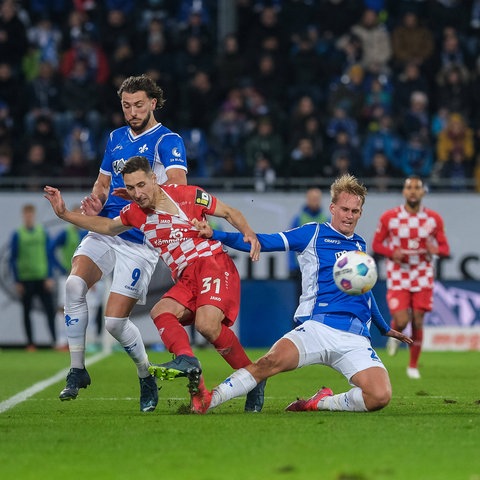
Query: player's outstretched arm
{"points": [[103, 225]]}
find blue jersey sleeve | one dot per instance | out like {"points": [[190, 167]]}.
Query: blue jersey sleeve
{"points": [[270, 242], [292, 240]]}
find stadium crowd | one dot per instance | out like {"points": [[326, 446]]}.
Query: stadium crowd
{"points": [[299, 88]]}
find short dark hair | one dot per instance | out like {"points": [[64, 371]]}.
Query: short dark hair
{"points": [[142, 83], [134, 164]]}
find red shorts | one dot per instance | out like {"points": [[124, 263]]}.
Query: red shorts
{"points": [[210, 280], [403, 300]]}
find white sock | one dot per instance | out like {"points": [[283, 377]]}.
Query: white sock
{"points": [[129, 337], [236, 385], [76, 319], [351, 401]]}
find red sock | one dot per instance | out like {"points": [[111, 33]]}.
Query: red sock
{"points": [[173, 334], [416, 346], [228, 346]]}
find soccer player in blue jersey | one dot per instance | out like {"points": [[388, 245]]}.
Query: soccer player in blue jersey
{"points": [[128, 256], [333, 327]]}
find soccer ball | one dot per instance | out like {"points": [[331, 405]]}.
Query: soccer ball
{"points": [[355, 272]]}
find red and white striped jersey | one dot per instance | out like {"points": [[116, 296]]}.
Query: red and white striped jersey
{"points": [[410, 232], [174, 236]]}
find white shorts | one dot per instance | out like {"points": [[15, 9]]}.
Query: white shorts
{"points": [[132, 264], [345, 352]]}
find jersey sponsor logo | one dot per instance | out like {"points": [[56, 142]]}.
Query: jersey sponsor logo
{"points": [[337, 254], [118, 147], [143, 148], [118, 166], [329, 240], [203, 198], [176, 153]]}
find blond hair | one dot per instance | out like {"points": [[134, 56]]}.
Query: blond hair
{"points": [[348, 184]]}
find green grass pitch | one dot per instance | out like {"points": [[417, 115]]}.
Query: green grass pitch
{"points": [[430, 430]]}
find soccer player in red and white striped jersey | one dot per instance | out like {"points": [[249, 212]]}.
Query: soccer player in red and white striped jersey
{"points": [[410, 236]]}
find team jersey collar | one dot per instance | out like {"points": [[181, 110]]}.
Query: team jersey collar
{"points": [[134, 138]]}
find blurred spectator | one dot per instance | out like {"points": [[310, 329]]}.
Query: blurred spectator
{"points": [[453, 90], [305, 70], [90, 52], [80, 98], [348, 51], [42, 95], [191, 59], [342, 145], [301, 109], [44, 132], [47, 38], [302, 160], [265, 141], [269, 80], [416, 119], [35, 166], [13, 36], [77, 25], [336, 17], [11, 89], [311, 211], [381, 172], [76, 164], [56, 10], [312, 129], [230, 63], [384, 140], [229, 130], [6, 161], [79, 139], [32, 265], [199, 153], [296, 15], [123, 60], [457, 171], [456, 136], [156, 54], [117, 29], [263, 173], [196, 23], [348, 93], [339, 122], [266, 25], [411, 41], [409, 80], [199, 101], [376, 44], [417, 156], [451, 52], [378, 100]]}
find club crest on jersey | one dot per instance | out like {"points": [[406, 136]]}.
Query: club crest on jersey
{"points": [[176, 153], [118, 166], [143, 148], [203, 198]]}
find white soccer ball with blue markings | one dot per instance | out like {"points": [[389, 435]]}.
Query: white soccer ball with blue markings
{"points": [[355, 272]]}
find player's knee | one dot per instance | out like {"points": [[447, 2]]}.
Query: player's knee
{"points": [[115, 326], [379, 399], [75, 290]]}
